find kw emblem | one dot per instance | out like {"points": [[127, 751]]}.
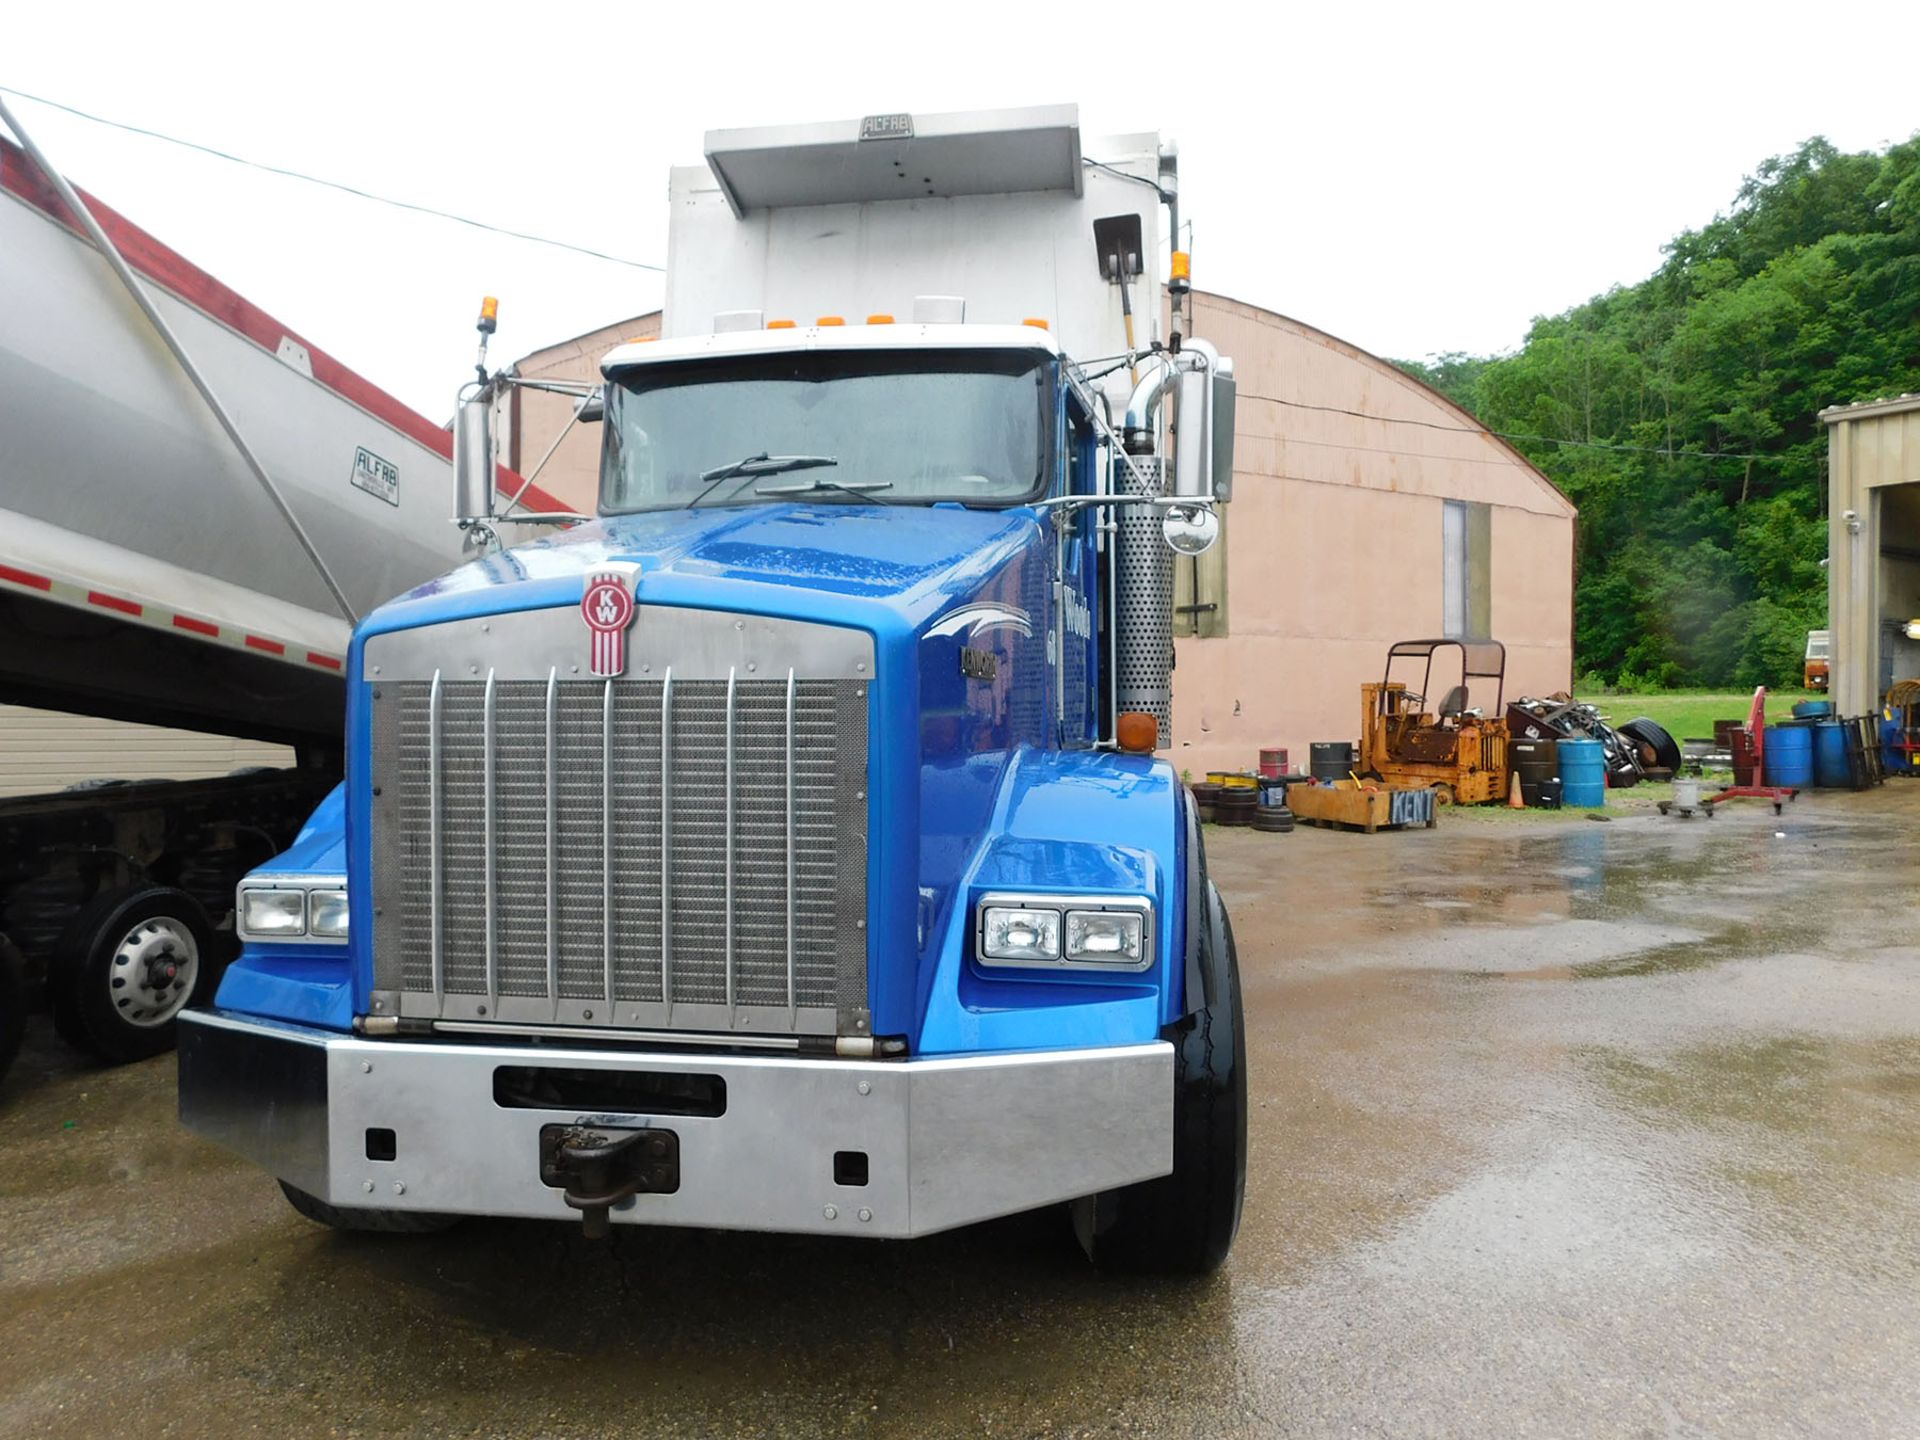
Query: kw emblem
{"points": [[608, 608]]}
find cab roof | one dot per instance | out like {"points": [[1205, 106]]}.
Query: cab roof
{"points": [[830, 337]]}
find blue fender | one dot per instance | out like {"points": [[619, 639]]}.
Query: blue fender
{"points": [[1072, 822], [308, 984]]}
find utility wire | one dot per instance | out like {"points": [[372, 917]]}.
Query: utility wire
{"points": [[334, 184], [1508, 435]]}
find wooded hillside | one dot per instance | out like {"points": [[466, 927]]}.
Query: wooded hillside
{"points": [[1679, 415]]}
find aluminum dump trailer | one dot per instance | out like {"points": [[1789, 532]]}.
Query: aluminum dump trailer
{"points": [[147, 575]]}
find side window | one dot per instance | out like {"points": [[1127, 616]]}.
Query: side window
{"points": [[1466, 559]]}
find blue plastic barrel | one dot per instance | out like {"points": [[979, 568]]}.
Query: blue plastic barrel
{"points": [[1789, 759], [1583, 773], [1813, 709], [1830, 768]]}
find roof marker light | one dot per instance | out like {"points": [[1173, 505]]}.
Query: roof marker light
{"points": [[879, 319], [1035, 322], [779, 324], [831, 320]]}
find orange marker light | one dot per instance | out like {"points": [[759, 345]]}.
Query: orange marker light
{"points": [[779, 324], [831, 320], [1182, 265], [489, 314], [1035, 322], [879, 319], [1138, 732]]}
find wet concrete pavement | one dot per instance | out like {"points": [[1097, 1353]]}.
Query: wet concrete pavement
{"points": [[1559, 1128]]}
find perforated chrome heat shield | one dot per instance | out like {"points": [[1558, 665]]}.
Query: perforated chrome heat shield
{"points": [[1143, 594], [683, 847]]}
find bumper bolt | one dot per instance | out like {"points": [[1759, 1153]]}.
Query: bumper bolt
{"points": [[831, 1213], [399, 1187], [865, 1214]]}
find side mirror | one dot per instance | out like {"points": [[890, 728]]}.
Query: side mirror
{"points": [[1203, 439], [473, 460], [592, 408], [1223, 401], [1190, 529]]}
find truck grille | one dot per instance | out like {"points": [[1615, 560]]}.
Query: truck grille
{"points": [[640, 852]]}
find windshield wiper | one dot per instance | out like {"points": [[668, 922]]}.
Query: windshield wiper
{"points": [[859, 488], [761, 464]]}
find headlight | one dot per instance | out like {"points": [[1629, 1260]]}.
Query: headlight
{"points": [[1106, 937], [1059, 932], [302, 909], [271, 913], [1007, 933], [327, 913]]}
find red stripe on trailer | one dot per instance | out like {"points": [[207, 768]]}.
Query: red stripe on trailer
{"points": [[198, 627], [314, 658], [25, 577], [113, 602], [194, 285], [272, 647]]}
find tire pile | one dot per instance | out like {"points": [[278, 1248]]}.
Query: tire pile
{"points": [[1638, 750]]}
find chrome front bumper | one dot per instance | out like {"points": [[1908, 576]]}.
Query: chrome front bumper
{"points": [[948, 1141]]}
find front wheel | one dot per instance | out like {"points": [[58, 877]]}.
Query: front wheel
{"points": [[13, 1003], [130, 962], [1184, 1223]]}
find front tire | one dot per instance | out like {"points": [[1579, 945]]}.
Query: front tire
{"points": [[1184, 1223], [129, 963], [13, 1003], [385, 1222]]}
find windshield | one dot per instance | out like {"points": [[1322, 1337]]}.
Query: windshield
{"points": [[877, 427]]}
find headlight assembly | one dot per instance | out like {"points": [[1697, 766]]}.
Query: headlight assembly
{"points": [[292, 908], [1065, 932]]}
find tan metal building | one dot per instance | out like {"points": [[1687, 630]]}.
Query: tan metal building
{"points": [[1367, 508], [42, 751], [1873, 548]]}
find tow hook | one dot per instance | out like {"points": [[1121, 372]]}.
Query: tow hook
{"points": [[599, 1168]]}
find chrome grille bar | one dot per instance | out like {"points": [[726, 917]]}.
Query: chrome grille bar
{"points": [[606, 838], [791, 1004], [553, 845], [486, 862], [666, 842], [436, 887], [732, 691]]}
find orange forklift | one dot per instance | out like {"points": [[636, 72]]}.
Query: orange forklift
{"points": [[1457, 748]]}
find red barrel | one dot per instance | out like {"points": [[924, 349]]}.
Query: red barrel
{"points": [[1273, 762]]}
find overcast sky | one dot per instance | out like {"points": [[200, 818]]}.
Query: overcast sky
{"points": [[1413, 179]]}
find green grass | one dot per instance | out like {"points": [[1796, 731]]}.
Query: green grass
{"points": [[1688, 715]]}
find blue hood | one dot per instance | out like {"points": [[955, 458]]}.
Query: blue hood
{"points": [[883, 568]]}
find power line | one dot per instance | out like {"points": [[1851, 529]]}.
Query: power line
{"points": [[1508, 435], [335, 184]]}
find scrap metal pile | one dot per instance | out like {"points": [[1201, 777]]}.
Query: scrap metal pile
{"points": [[1635, 751]]}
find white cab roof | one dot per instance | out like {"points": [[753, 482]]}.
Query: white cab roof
{"points": [[898, 157]]}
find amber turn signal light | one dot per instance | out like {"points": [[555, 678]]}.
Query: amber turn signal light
{"points": [[1138, 732]]}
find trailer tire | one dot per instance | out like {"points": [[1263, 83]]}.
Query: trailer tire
{"points": [[13, 1003], [385, 1222], [1184, 1223], [110, 986]]}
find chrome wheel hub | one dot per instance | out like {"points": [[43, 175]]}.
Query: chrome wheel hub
{"points": [[153, 971]]}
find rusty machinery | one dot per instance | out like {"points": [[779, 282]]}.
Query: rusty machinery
{"points": [[1453, 746]]}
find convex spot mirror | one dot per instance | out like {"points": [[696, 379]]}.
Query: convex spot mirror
{"points": [[1190, 529]]}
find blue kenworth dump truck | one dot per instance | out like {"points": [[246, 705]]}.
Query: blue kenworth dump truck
{"points": [[784, 848]]}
